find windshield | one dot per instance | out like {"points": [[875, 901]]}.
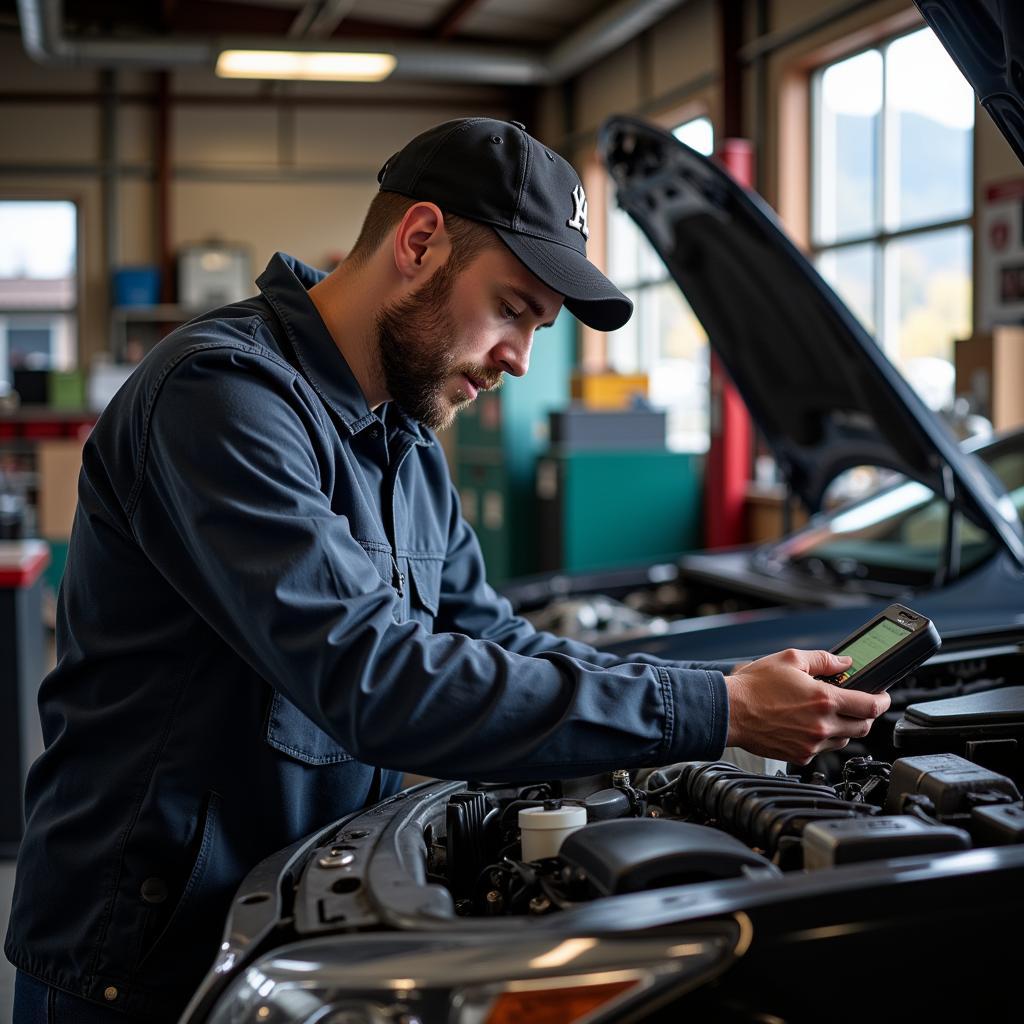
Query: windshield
{"points": [[898, 536]]}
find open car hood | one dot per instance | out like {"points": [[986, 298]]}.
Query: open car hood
{"points": [[986, 39], [822, 392]]}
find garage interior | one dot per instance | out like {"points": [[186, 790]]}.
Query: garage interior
{"points": [[139, 187]]}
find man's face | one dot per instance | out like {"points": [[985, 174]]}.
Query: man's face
{"points": [[459, 333]]}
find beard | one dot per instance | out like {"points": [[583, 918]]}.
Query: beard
{"points": [[415, 349]]}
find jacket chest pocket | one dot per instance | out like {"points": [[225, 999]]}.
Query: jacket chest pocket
{"points": [[291, 732], [424, 589]]}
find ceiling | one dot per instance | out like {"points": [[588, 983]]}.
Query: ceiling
{"points": [[496, 42], [496, 22]]}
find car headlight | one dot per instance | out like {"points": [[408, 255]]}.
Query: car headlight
{"points": [[476, 978]]}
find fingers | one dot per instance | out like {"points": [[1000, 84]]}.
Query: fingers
{"points": [[809, 753], [820, 663], [775, 705], [856, 704], [850, 728], [833, 743]]}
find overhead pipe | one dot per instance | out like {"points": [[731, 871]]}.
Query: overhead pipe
{"points": [[44, 41], [605, 32], [319, 18]]}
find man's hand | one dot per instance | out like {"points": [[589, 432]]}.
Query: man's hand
{"points": [[777, 709]]}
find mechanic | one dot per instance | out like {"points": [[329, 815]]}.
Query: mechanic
{"points": [[273, 606]]}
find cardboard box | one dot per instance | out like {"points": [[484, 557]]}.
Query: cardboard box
{"points": [[990, 374], [59, 463], [764, 510], [608, 390]]}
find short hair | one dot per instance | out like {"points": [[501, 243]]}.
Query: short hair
{"points": [[469, 238]]}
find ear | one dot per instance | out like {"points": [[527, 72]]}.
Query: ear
{"points": [[421, 241]]}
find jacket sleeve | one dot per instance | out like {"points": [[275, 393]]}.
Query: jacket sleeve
{"points": [[232, 507], [470, 605]]}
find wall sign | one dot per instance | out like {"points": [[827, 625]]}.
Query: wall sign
{"points": [[1000, 243]]}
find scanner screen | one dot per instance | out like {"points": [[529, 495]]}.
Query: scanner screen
{"points": [[876, 641]]}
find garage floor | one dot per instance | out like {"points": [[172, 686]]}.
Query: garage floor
{"points": [[7, 881], [6, 970]]}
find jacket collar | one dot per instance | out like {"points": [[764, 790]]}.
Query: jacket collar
{"points": [[285, 284]]}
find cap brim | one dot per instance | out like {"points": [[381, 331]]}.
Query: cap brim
{"points": [[589, 295]]}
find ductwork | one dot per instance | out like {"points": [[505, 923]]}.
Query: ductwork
{"points": [[42, 35], [44, 43]]}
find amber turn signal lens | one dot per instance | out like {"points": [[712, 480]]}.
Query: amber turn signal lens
{"points": [[555, 1005]]}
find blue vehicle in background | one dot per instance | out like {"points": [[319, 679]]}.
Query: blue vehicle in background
{"points": [[945, 534], [807, 589]]}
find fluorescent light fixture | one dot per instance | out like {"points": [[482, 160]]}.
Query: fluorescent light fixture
{"points": [[305, 65]]}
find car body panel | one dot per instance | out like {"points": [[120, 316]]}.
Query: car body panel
{"points": [[751, 937], [988, 601]]}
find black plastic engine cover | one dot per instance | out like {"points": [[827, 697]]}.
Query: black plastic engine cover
{"points": [[829, 843], [947, 725], [630, 855], [1005, 704], [952, 783], [998, 825], [606, 804]]}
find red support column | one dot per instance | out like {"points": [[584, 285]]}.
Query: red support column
{"points": [[728, 462]]}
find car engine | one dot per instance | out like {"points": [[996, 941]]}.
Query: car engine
{"points": [[944, 776], [879, 852]]}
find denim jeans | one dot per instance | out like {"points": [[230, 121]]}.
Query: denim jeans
{"points": [[35, 1002]]}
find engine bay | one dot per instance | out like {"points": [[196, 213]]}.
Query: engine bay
{"points": [[882, 849], [630, 606], [938, 777], [941, 772]]}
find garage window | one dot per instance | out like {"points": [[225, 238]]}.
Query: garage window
{"points": [[38, 286], [664, 339], [892, 200]]}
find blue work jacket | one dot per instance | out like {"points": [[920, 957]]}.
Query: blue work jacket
{"points": [[270, 593]]}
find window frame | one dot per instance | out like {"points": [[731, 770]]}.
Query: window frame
{"points": [[883, 237], [642, 288], [71, 356]]}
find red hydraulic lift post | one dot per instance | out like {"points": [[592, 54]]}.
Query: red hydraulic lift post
{"points": [[731, 435], [729, 451]]}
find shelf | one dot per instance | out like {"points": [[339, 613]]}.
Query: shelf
{"points": [[148, 321], [161, 313]]}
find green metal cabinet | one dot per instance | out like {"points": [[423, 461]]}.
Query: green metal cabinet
{"points": [[602, 509]]}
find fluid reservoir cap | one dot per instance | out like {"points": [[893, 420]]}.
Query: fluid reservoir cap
{"points": [[567, 816]]}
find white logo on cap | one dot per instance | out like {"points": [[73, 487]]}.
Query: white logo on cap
{"points": [[579, 212]]}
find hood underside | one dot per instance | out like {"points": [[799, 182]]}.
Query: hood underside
{"points": [[821, 391], [986, 40]]}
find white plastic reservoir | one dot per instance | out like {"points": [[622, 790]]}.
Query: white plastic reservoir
{"points": [[544, 831]]}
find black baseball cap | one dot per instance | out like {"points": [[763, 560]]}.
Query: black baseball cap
{"points": [[496, 173]]}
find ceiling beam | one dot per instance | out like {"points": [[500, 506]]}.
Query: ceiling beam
{"points": [[448, 24], [319, 19]]}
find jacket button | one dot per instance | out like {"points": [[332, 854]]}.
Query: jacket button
{"points": [[110, 993], [154, 890]]}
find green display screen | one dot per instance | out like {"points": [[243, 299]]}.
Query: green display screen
{"points": [[870, 645]]}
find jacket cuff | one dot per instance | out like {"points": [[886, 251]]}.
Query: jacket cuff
{"points": [[697, 709]]}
